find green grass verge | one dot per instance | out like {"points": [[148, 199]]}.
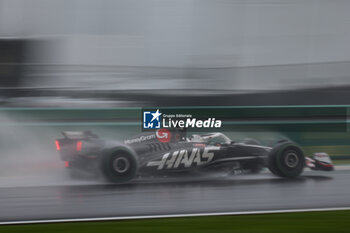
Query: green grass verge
{"points": [[329, 221]]}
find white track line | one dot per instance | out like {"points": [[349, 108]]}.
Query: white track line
{"points": [[173, 216]]}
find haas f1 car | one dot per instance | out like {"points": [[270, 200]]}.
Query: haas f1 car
{"points": [[170, 152]]}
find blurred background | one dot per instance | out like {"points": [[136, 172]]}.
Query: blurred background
{"points": [[269, 69], [59, 55], [193, 52]]}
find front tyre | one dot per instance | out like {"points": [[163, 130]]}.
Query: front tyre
{"points": [[286, 160], [119, 166]]}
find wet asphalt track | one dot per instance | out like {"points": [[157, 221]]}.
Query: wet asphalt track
{"points": [[173, 196]]}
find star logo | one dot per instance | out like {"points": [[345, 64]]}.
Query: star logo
{"points": [[152, 119], [156, 115]]}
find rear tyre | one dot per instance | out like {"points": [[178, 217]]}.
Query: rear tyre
{"points": [[286, 160], [119, 166]]}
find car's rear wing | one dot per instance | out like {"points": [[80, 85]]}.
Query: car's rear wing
{"points": [[73, 143], [78, 134]]}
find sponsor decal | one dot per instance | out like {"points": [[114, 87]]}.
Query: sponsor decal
{"points": [[163, 135], [140, 139], [184, 158], [157, 120], [191, 123]]}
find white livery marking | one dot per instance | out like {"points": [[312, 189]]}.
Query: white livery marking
{"points": [[185, 157]]}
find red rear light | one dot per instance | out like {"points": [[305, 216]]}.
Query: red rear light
{"points": [[58, 145], [79, 145], [66, 163]]}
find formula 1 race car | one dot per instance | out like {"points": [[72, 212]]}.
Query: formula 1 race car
{"points": [[171, 152]]}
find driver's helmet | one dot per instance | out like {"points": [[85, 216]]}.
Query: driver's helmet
{"points": [[195, 138]]}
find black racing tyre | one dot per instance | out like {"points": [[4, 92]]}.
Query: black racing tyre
{"points": [[119, 166], [286, 160]]}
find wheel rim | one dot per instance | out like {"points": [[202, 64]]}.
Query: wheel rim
{"points": [[291, 160], [121, 164]]}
